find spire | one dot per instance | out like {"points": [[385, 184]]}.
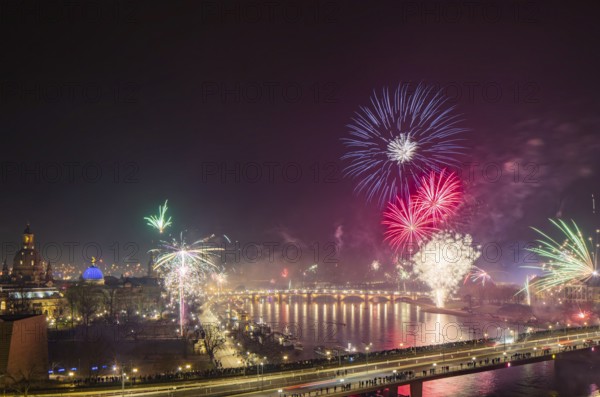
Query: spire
{"points": [[151, 272], [49, 276]]}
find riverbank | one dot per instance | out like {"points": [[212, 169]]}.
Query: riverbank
{"points": [[429, 308], [495, 312]]}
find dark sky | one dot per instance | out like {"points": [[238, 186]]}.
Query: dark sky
{"points": [[109, 108]]}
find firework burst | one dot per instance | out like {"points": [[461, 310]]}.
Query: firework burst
{"points": [[398, 137], [568, 262], [375, 266], [160, 222], [400, 275], [220, 278], [439, 195], [443, 261], [477, 275], [186, 267], [408, 225]]}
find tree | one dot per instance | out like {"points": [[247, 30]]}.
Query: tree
{"points": [[213, 339], [110, 301], [22, 381], [87, 300]]}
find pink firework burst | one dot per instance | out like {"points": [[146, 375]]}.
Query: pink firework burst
{"points": [[439, 195], [478, 275], [408, 225]]}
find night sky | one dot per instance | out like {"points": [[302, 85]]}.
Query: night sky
{"points": [[109, 108]]}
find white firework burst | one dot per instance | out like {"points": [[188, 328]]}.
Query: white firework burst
{"points": [[401, 149], [186, 268], [443, 261]]}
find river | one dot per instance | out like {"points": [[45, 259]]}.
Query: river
{"points": [[382, 326]]}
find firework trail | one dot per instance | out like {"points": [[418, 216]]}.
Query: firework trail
{"points": [[160, 222], [443, 261], [400, 136], [408, 225], [527, 289], [567, 263], [439, 195]]}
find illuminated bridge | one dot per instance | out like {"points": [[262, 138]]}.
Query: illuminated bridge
{"points": [[338, 294]]}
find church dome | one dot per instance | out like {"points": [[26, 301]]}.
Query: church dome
{"points": [[92, 274]]}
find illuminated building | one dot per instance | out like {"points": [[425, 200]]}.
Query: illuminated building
{"points": [[29, 289]]}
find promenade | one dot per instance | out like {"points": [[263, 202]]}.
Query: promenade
{"points": [[228, 356]]}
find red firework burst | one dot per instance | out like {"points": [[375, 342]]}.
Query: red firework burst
{"points": [[408, 225], [439, 195]]}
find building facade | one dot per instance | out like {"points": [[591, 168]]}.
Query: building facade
{"points": [[23, 348]]}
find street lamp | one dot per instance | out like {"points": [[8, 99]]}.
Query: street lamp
{"points": [[123, 380], [259, 369], [367, 349]]}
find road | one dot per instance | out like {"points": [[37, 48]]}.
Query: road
{"points": [[311, 380]]}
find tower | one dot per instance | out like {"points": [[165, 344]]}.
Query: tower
{"points": [[28, 238], [27, 264]]}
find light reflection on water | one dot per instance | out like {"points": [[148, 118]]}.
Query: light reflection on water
{"points": [[385, 326], [534, 380]]}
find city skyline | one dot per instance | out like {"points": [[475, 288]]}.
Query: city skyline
{"points": [[97, 141]]}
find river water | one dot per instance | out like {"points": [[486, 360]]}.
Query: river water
{"points": [[382, 326]]}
